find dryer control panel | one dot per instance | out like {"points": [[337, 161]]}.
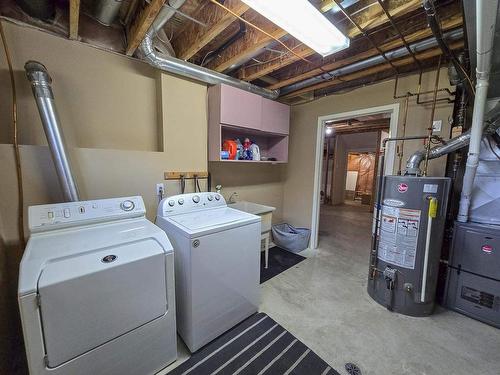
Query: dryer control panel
{"points": [[184, 203], [61, 215]]}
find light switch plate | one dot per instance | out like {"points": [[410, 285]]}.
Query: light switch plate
{"points": [[436, 125]]}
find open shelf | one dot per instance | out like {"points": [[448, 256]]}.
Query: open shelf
{"points": [[271, 145]]}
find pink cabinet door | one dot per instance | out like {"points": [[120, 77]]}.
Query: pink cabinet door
{"points": [[275, 117], [240, 108]]}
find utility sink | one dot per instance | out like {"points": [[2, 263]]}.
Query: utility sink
{"points": [[265, 212], [252, 208]]}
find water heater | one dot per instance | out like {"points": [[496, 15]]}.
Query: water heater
{"points": [[404, 261]]}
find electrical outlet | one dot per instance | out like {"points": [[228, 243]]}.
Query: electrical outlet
{"points": [[160, 189]]}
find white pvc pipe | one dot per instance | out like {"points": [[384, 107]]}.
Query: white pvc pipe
{"points": [[426, 258], [486, 13]]}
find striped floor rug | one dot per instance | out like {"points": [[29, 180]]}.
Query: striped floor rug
{"points": [[257, 346]]}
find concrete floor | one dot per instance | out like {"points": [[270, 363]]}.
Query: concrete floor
{"points": [[323, 301]]}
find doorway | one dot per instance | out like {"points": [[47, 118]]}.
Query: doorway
{"points": [[360, 131]]}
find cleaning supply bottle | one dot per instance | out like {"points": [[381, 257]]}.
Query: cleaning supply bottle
{"points": [[239, 148]]}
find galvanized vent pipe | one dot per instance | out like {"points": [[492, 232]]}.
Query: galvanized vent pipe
{"points": [[491, 123], [486, 14], [372, 61], [180, 67], [42, 91]]}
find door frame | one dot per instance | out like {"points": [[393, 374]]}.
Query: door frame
{"points": [[392, 109]]}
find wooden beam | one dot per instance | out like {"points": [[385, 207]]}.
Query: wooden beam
{"points": [[373, 70], [374, 16], [368, 21], [360, 129], [142, 24], [448, 24], [74, 18], [249, 44], [194, 37]]}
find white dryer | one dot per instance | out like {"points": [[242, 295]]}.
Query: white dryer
{"points": [[217, 264], [96, 290]]}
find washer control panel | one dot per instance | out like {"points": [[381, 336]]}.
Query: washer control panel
{"points": [[183, 203], [61, 215]]}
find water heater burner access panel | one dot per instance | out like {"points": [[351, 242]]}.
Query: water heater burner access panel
{"points": [[61, 215]]}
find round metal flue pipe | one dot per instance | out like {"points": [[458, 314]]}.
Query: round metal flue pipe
{"points": [[42, 91], [372, 61]]}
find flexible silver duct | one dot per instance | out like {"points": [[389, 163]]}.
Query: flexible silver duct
{"points": [[492, 122], [372, 61], [42, 91], [173, 65]]}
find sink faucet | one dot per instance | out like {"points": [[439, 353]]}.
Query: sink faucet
{"points": [[231, 200]]}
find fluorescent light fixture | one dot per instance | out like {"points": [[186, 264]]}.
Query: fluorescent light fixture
{"points": [[303, 21]]}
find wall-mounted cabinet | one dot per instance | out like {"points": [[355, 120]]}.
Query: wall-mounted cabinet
{"points": [[238, 114]]}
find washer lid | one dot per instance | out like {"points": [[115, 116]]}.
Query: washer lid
{"points": [[217, 218], [91, 298]]}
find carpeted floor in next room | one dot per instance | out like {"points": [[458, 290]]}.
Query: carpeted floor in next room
{"points": [[323, 302]]}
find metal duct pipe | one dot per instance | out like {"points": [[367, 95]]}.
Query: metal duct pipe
{"points": [[372, 61], [42, 91], [486, 14], [180, 67], [413, 164], [106, 11]]}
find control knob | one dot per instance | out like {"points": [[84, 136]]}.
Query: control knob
{"points": [[180, 201], [217, 197], [196, 199], [171, 203], [210, 198], [127, 205]]}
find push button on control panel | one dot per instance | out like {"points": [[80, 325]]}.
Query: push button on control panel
{"points": [[67, 213], [50, 214], [127, 205]]}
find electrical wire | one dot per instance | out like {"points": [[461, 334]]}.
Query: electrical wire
{"points": [[259, 29], [17, 155]]}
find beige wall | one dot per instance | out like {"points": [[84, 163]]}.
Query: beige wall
{"points": [[299, 172], [128, 122], [255, 183]]}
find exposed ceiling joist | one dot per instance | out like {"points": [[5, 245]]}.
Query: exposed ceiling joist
{"points": [[369, 19], [74, 18], [448, 24], [373, 70], [142, 23], [194, 37], [246, 47], [375, 16], [362, 127]]}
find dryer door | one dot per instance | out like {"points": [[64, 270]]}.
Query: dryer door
{"points": [[92, 298]]}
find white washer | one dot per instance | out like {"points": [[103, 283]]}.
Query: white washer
{"points": [[217, 264], [96, 290]]}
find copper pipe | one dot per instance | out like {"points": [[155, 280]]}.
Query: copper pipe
{"points": [[418, 93], [400, 153], [430, 129]]}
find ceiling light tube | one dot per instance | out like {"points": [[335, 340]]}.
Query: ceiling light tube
{"points": [[303, 21]]}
